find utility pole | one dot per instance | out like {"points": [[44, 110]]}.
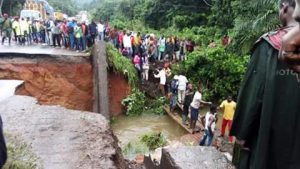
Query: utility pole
{"points": [[10, 7], [1, 3]]}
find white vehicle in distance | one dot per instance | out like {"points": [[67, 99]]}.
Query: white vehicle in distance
{"points": [[35, 15]]}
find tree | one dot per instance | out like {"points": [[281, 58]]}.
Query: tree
{"points": [[12, 7], [68, 7], [252, 19]]}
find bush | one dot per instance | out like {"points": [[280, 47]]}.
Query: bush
{"points": [[131, 149], [121, 64], [220, 71], [137, 104], [134, 103], [156, 106], [154, 140]]}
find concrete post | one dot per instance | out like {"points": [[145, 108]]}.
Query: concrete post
{"points": [[101, 98]]}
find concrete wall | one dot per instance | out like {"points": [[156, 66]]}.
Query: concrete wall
{"points": [[110, 87]]}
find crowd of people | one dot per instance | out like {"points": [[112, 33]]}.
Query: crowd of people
{"points": [[79, 36], [70, 34], [183, 95]]}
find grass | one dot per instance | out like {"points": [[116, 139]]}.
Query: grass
{"points": [[134, 148], [121, 64], [20, 155]]}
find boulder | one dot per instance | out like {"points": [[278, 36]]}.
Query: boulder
{"points": [[193, 157]]}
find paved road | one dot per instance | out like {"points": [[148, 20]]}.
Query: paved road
{"points": [[63, 139], [38, 49]]}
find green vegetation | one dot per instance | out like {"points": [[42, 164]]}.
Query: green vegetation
{"points": [[121, 64], [19, 154], [12, 7], [131, 149], [68, 7], [156, 106], [154, 140], [146, 143], [136, 104], [243, 20], [220, 71]]}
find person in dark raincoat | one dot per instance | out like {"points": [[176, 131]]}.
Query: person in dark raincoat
{"points": [[3, 155], [267, 118]]}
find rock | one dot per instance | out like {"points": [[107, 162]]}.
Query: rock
{"points": [[194, 157], [62, 138]]}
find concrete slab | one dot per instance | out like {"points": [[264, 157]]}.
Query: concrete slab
{"points": [[194, 157]]}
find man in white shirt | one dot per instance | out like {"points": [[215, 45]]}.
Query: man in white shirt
{"points": [[163, 78], [127, 43], [182, 81], [100, 28], [195, 106]]}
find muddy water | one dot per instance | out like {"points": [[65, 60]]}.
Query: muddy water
{"points": [[129, 129]]}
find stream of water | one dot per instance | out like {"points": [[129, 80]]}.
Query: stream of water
{"points": [[129, 129]]}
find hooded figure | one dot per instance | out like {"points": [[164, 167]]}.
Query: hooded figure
{"points": [[3, 153]]}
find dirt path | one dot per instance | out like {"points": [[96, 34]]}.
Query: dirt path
{"points": [[63, 139]]}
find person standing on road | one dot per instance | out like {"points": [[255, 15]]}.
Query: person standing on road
{"points": [[6, 29], [56, 34], [229, 107], [93, 31], [127, 44], [50, 26], [78, 36], [65, 36], [161, 47], [24, 27], [71, 27], [85, 33], [100, 28]]}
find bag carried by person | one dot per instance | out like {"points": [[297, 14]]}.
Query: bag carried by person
{"points": [[70, 29], [174, 84]]}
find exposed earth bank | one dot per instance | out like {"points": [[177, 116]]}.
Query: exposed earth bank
{"points": [[65, 81]]}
